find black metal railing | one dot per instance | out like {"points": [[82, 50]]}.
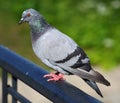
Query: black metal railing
{"points": [[22, 69]]}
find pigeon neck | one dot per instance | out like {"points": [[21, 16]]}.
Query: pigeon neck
{"points": [[38, 27]]}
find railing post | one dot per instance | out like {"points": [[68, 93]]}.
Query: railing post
{"points": [[14, 85], [4, 86]]}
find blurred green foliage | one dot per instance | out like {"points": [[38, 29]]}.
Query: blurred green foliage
{"points": [[93, 24]]}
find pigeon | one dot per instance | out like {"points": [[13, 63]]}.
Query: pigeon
{"points": [[59, 52]]}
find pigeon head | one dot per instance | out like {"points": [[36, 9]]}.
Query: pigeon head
{"points": [[37, 23], [30, 15]]}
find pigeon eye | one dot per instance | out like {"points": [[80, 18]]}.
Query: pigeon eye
{"points": [[28, 15]]}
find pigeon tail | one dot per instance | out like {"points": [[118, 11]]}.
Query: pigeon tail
{"points": [[94, 86], [101, 79], [91, 75]]}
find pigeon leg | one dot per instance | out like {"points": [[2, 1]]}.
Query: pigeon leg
{"points": [[54, 76]]}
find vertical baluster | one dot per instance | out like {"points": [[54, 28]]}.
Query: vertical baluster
{"points": [[4, 86], [14, 85]]}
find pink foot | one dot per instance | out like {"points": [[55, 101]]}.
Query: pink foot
{"points": [[54, 77]]}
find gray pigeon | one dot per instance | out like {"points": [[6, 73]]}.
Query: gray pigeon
{"points": [[60, 52]]}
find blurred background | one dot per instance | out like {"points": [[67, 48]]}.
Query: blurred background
{"points": [[93, 24]]}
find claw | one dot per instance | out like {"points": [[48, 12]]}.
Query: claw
{"points": [[54, 77]]}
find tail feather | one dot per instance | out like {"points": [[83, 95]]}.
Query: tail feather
{"points": [[101, 79], [98, 77], [92, 75], [94, 86]]}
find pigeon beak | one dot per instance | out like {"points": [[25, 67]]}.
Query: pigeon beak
{"points": [[21, 21]]}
